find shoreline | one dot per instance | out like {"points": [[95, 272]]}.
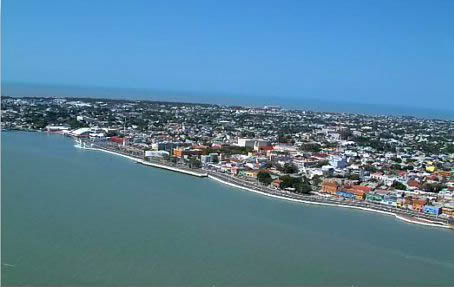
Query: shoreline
{"points": [[331, 204], [201, 175], [143, 162]]}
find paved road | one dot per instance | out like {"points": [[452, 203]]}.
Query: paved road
{"points": [[321, 199]]}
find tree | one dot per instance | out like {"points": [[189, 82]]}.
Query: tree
{"points": [[398, 185], [264, 177], [303, 187], [353, 176], [290, 168], [288, 181], [316, 180], [311, 147], [432, 187], [370, 168], [321, 163], [450, 148], [195, 163]]}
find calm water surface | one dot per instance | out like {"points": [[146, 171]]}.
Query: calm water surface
{"points": [[74, 217]]}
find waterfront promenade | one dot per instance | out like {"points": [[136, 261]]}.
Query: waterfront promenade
{"points": [[157, 164], [402, 214]]}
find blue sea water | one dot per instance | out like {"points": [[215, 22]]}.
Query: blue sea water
{"points": [[77, 217]]}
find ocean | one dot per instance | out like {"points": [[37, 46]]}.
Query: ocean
{"points": [[77, 217], [288, 102]]}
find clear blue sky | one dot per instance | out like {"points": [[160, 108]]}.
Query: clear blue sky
{"points": [[359, 51]]}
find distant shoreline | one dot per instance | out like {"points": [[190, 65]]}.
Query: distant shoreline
{"points": [[23, 90]]}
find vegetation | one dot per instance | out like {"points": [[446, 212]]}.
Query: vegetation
{"points": [[195, 163], [264, 177], [399, 185], [309, 147], [301, 185]]}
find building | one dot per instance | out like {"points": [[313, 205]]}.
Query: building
{"points": [[346, 194], [82, 132], [390, 199], [338, 162], [251, 173], [167, 146], [253, 143], [212, 157], [156, 154], [448, 209], [181, 153], [375, 197], [419, 204], [57, 128], [331, 187], [430, 168], [118, 140], [359, 191], [276, 183], [434, 210]]}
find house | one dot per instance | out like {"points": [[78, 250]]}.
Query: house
{"points": [[448, 209], [276, 183], [433, 210], [359, 191], [413, 184], [419, 203], [181, 153], [251, 173], [390, 199], [331, 187], [345, 194]]}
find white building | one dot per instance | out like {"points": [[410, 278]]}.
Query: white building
{"points": [[243, 142], [338, 162]]}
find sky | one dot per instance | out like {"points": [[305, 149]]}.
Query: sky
{"points": [[373, 52]]}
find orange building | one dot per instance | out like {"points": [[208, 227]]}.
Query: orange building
{"points": [[359, 191], [330, 187], [418, 204], [180, 153], [448, 211]]}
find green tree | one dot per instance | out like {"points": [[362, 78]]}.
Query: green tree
{"points": [[353, 176], [303, 187], [311, 147], [316, 180], [399, 185], [195, 163], [264, 177], [290, 168]]}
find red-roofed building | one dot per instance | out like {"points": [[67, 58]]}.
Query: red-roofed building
{"points": [[359, 191], [413, 183], [276, 183]]}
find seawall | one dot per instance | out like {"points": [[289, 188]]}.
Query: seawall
{"points": [[405, 219], [408, 220], [141, 161]]}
